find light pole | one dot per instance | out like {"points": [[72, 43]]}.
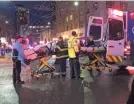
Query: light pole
{"points": [[85, 22], [76, 3]]}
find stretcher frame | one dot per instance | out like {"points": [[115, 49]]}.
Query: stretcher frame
{"points": [[96, 63], [43, 63]]}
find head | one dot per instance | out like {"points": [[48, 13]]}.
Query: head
{"points": [[91, 38], [60, 39], [19, 39], [24, 45], [74, 34]]}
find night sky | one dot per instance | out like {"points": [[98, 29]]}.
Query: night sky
{"points": [[40, 16]]}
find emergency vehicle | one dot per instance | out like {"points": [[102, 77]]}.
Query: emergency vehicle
{"points": [[115, 35]]}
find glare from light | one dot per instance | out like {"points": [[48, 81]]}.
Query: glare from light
{"points": [[76, 3], [118, 13], [48, 23], [30, 26], [33, 26], [6, 22], [41, 42], [47, 26]]}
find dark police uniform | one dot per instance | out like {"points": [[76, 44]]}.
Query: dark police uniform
{"points": [[63, 55], [16, 66]]}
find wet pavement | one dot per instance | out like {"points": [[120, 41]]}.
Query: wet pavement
{"points": [[103, 89]]}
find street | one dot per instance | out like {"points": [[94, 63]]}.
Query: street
{"points": [[103, 89]]}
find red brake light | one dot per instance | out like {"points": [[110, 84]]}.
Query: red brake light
{"points": [[118, 13], [132, 15], [127, 48]]}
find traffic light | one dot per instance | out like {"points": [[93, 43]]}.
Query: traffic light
{"points": [[23, 16]]}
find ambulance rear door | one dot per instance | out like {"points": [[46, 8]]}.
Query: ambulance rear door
{"points": [[95, 28]]}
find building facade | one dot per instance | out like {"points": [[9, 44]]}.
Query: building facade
{"points": [[74, 16]]}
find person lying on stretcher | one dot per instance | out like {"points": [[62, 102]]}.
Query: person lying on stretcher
{"points": [[90, 43]]}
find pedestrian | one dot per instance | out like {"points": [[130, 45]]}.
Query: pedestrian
{"points": [[62, 54], [131, 96], [18, 60], [73, 52], [81, 43]]}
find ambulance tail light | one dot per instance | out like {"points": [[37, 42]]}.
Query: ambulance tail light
{"points": [[127, 49], [117, 13]]}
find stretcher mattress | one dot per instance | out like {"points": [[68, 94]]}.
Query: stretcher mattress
{"points": [[93, 49]]}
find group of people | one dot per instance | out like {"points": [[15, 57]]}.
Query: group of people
{"points": [[71, 50], [63, 49]]}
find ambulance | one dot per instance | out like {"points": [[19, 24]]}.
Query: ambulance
{"points": [[115, 35]]}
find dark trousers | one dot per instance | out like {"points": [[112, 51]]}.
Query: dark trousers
{"points": [[131, 96], [132, 57], [16, 71], [62, 65], [74, 67]]}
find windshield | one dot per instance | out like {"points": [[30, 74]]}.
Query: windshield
{"points": [[95, 31], [115, 29]]}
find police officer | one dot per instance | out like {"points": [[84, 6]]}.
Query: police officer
{"points": [[73, 53], [18, 59]]}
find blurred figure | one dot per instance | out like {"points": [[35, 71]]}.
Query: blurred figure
{"points": [[73, 52], [63, 55], [131, 96], [81, 43], [90, 42], [53, 46]]}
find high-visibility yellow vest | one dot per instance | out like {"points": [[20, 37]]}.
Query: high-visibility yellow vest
{"points": [[73, 47]]}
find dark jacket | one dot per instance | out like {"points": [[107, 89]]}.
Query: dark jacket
{"points": [[62, 45], [90, 43], [132, 48]]}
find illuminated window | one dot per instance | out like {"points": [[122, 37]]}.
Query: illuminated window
{"points": [[66, 19], [71, 17]]}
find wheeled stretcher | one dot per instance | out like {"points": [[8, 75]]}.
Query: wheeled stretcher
{"points": [[40, 62], [40, 66], [96, 60]]}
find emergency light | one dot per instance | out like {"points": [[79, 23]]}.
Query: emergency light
{"points": [[132, 15], [117, 13]]}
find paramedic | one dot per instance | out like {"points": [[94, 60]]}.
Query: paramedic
{"points": [[18, 59], [73, 52], [62, 54]]}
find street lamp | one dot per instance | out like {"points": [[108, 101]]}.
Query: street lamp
{"points": [[6, 22], [76, 3], [48, 23]]}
